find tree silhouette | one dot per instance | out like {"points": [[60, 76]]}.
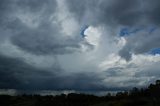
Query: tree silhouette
{"points": [[136, 97]]}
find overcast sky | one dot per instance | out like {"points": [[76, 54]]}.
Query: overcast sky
{"points": [[81, 45]]}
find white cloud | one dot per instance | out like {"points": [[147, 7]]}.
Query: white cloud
{"points": [[121, 42], [114, 60], [111, 61], [139, 71], [93, 35]]}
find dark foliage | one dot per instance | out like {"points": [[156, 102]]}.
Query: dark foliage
{"points": [[136, 97]]}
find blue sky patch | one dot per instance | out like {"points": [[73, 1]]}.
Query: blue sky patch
{"points": [[83, 30], [128, 31], [154, 51], [124, 32]]}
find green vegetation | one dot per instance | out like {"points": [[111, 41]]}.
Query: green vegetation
{"points": [[136, 97]]}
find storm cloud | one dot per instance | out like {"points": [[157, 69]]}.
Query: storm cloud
{"points": [[45, 45]]}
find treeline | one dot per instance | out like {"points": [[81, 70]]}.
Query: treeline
{"points": [[136, 97]]}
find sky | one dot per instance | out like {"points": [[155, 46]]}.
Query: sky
{"points": [[80, 45]]}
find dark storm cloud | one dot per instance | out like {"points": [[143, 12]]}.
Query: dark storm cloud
{"points": [[142, 43], [113, 12], [120, 12], [145, 13], [20, 16], [153, 11], [123, 13], [43, 41], [9, 8], [32, 27], [117, 12], [15, 74]]}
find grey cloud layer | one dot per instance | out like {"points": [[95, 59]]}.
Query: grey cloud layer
{"points": [[32, 26], [15, 74], [140, 43], [19, 17], [122, 14], [115, 12]]}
